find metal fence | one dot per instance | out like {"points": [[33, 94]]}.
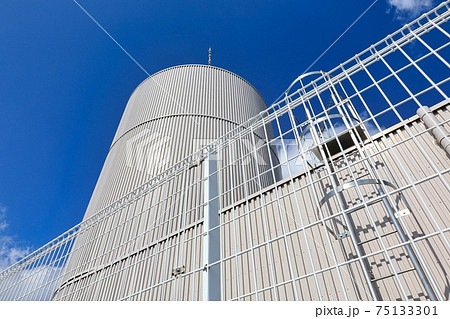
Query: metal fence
{"points": [[361, 211]]}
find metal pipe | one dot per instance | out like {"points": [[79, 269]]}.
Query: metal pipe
{"points": [[438, 131], [211, 230]]}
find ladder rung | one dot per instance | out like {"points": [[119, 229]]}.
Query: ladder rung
{"points": [[375, 238], [391, 275]]}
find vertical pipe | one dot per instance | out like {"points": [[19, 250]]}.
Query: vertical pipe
{"points": [[211, 230], [441, 135]]}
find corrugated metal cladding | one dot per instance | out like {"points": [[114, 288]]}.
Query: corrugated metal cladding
{"points": [[168, 117], [191, 90], [274, 245], [306, 253]]}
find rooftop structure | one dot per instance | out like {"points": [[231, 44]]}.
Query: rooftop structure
{"points": [[361, 211]]}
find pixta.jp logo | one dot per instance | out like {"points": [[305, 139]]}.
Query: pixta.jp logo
{"points": [[148, 151]]}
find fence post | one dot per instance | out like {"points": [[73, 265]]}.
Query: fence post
{"points": [[211, 229]]}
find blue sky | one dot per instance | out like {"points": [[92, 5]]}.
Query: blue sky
{"points": [[64, 83]]}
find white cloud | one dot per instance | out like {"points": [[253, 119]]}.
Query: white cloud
{"points": [[3, 223], [290, 158], [10, 251], [36, 283], [409, 9], [292, 161]]}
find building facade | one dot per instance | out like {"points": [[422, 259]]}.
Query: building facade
{"points": [[169, 116], [339, 190]]}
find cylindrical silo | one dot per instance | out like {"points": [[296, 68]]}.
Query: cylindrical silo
{"points": [[169, 116]]}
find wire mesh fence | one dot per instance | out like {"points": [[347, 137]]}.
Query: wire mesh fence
{"points": [[338, 191]]}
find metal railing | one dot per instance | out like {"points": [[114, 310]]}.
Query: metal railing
{"points": [[288, 241]]}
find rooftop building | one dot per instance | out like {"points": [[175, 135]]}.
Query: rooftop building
{"points": [[337, 191]]}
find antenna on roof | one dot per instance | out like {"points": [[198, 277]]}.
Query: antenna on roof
{"points": [[209, 56]]}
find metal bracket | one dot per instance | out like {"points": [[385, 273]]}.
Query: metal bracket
{"points": [[342, 235], [402, 213], [178, 271], [372, 276]]}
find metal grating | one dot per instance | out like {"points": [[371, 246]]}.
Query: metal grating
{"points": [[362, 211]]}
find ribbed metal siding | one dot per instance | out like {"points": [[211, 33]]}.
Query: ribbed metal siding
{"points": [[186, 104], [313, 263], [191, 89], [250, 223]]}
